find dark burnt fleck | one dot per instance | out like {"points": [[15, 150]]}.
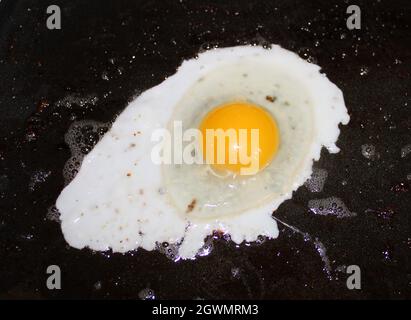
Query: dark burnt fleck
{"points": [[191, 206], [270, 98]]}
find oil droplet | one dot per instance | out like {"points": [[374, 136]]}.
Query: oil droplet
{"points": [[400, 187], [364, 71], [330, 206], [317, 180], [405, 151], [235, 273], [104, 76], [385, 213], [146, 294], [368, 151], [97, 285]]}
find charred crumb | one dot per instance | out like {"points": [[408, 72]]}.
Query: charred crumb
{"points": [[270, 98], [191, 206], [132, 145], [42, 105], [218, 234], [128, 174]]}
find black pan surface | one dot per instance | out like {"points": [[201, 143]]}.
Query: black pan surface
{"points": [[109, 51]]}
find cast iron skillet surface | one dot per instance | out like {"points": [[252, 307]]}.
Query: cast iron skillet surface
{"points": [[109, 51]]}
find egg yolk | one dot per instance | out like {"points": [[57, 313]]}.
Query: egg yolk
{"points": [[250, 134]]}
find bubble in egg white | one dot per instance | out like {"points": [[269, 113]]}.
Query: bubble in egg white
{"points": [[169, 250]]}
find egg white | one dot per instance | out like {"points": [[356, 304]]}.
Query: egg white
{"points": [[121, 200]]}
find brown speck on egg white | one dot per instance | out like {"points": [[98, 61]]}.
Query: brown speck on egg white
{"points": [[141, 191], [128, 174], [191, 206], [132, 145], [270, 98]]}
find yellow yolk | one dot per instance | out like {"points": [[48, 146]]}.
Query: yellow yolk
{"points": [[240, 122]]}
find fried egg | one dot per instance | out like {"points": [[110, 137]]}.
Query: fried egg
{"points": [[123, 200]]}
